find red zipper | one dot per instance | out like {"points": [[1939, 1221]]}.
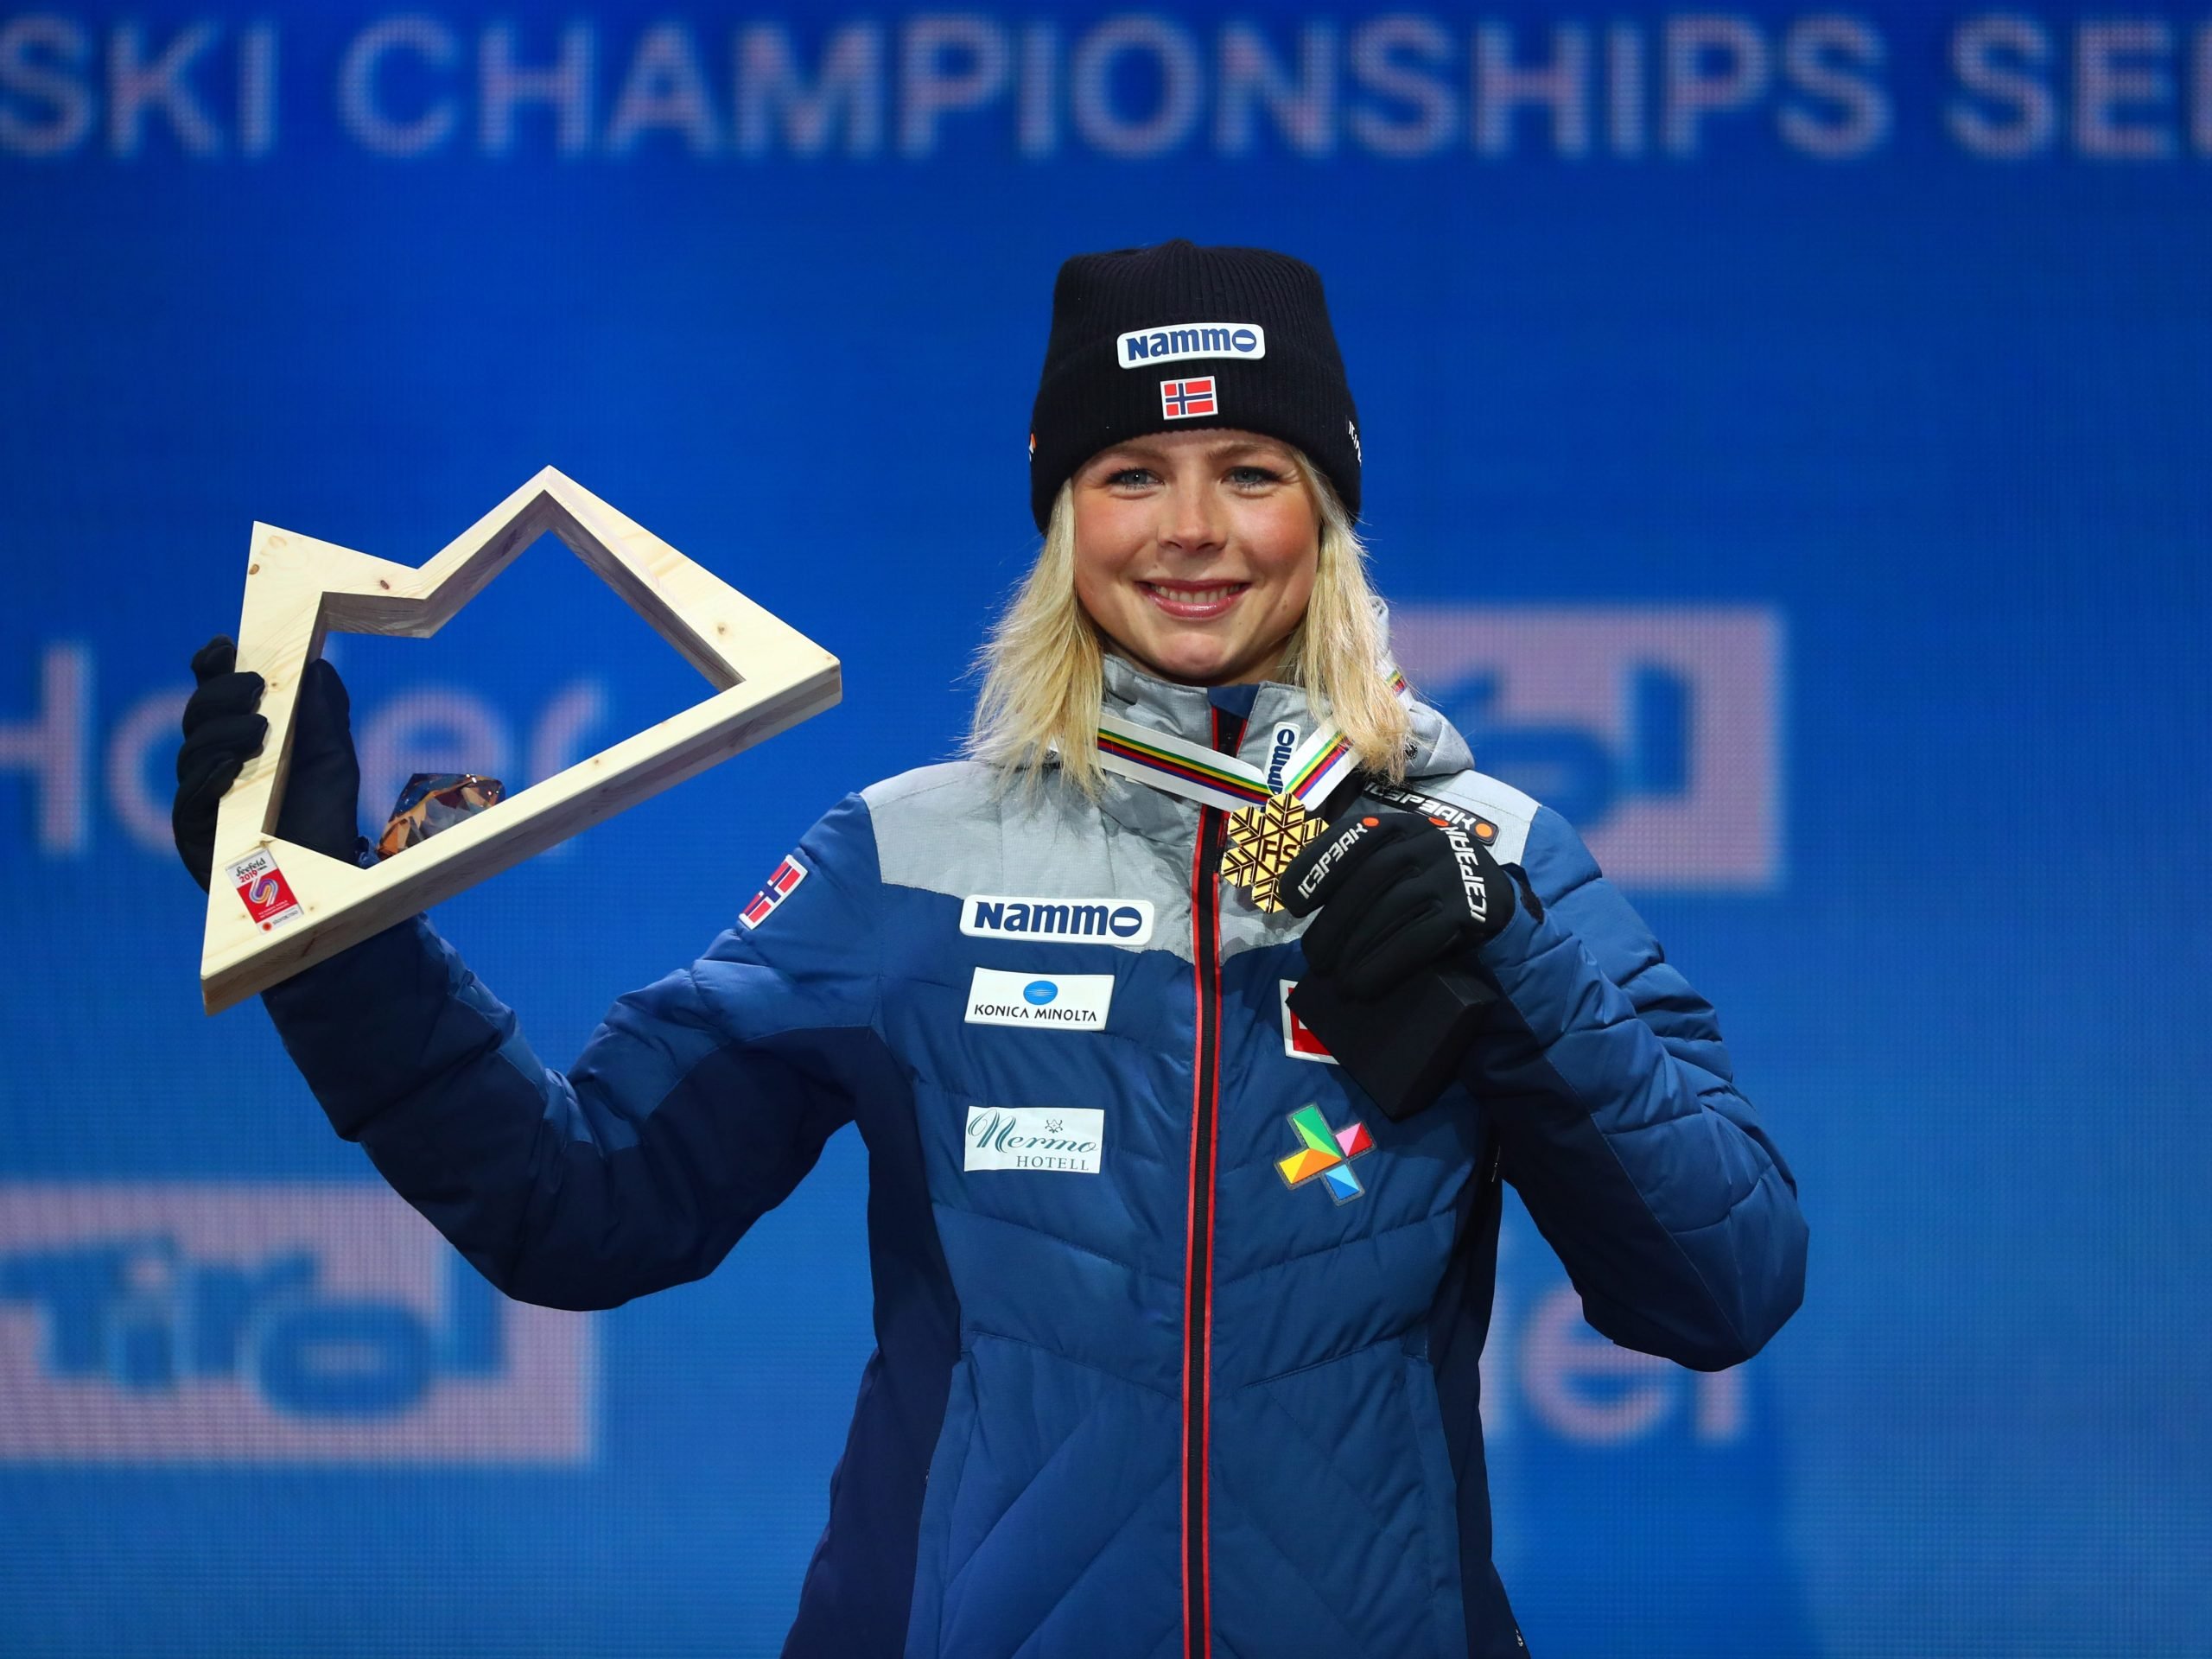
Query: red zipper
{"points": [[1198, 1248]]}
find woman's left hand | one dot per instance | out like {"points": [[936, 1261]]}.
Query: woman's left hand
{"points": [[1396, 891]]}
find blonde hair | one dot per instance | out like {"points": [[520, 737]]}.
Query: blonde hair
{"points": [[1044, 662]]}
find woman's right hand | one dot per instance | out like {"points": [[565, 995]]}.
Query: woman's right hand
{"points": [[222, 729]]}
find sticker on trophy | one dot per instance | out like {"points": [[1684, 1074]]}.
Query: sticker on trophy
{"points": [[267, 896], [1262, 842]]}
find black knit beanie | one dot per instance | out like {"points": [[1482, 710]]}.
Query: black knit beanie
{"points": [[1155, 340]]}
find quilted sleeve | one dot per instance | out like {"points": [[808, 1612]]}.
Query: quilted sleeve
{"points": [[1620, 1123], [695, 1107]]}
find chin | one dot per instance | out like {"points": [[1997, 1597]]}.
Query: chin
{"points": [[1192, 658], [1207, 670]]}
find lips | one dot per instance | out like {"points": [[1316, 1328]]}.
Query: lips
{"points": [[1193, 601]]}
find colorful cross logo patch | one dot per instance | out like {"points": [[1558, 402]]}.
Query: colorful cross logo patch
{"points": [[1327, 1152], [1180, 399]]}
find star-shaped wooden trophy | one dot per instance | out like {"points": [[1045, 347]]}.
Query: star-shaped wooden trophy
{"points": [[276, 907]]}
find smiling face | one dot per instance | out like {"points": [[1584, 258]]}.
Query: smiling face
{"points": [[1195, 552]]}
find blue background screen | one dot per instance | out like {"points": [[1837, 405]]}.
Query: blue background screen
{"points": [[1786, 438]]}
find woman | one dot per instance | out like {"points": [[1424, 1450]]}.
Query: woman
{"points": [[1140, 1388]]}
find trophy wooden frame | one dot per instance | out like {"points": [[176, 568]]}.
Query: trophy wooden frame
{"points": [[275, 907]]}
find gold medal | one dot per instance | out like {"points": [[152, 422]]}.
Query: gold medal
{"points": [[1262, 842]]}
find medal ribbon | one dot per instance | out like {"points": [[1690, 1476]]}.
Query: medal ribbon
{"points": [[1197, 773]]}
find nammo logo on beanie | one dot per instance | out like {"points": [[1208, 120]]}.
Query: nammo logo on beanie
{"points": [[1164, 343]]}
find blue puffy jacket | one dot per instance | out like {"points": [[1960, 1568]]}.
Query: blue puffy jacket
{"points": [[1157, 1371]]}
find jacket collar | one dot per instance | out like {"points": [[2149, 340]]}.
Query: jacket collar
{"points": [[1437, 750]]}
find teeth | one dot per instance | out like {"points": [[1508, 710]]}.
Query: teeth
{"points": [[1195, 595]]}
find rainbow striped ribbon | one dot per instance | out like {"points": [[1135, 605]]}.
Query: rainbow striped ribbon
{"points": [[1198, 773]]}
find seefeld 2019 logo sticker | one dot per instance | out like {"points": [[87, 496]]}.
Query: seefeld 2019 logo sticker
{"points": [[262, 888]]}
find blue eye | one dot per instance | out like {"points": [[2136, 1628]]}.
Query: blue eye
{"points": [[1132, 477], [1253, 476]]}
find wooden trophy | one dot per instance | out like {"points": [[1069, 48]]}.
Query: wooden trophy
{"points": [[275, 907]]}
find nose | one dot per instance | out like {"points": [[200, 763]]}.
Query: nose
{"points": [[1190, 522]]}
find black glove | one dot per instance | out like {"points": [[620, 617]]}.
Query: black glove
{"points": [[1396, 892], [223, 731]]}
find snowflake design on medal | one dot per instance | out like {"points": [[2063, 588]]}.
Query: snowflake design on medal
{"points": [[1262, 842]]}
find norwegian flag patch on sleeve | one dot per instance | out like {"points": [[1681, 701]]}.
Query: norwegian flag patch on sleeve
{"points": [[779, 887]]}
